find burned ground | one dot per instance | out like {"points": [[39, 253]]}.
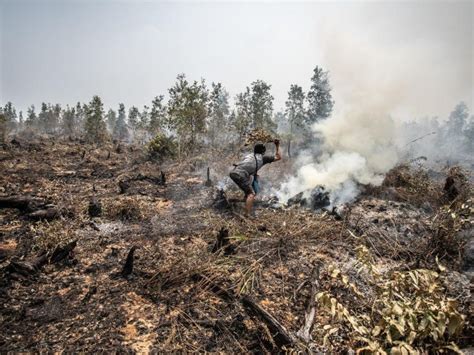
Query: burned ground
{"points": [[183, 292]]}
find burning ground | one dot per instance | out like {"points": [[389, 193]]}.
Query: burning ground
{"points": [[101, 249]]}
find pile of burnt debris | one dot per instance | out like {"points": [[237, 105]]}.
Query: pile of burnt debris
{"points": [[316, 199]]}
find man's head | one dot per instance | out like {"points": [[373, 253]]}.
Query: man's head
{"points": [[259, 148]]}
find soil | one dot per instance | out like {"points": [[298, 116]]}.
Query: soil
{"points": [[180, 296]]}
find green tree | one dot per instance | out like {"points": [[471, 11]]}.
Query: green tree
{"points": [[158, 116], [457, 120], [469, 136], [80, 116], [241, 117], [31, 119], [120, 130], [261, 106], [295, 113], [188, 111], [142, 125], [320, 102], [133, 117], [95, 125], [3, 127], [21, 121], [218, 123], [111, 119], [10, 116], [69, 121], [43, 117]]}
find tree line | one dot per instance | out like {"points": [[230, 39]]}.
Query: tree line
{"points": [[194, 115]]}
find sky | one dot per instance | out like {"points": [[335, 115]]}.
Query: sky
{"points": [[411, 58]]}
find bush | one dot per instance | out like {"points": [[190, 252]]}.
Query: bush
{"points": [[161, 147]]}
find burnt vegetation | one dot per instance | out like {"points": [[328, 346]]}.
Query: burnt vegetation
{"points": [[116, 235]]}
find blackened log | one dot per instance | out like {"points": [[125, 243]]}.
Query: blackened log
{"points": [[280, 335], [46, 214], [22, 203]]}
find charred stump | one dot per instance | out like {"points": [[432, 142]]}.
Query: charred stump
{"points": [[208, 180], [95, 208], [128, 266], [61, 253], [223, 243], [451, 188]]}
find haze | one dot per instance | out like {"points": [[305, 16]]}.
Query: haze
{"points": [[417, 55]]}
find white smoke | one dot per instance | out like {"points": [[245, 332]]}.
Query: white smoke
{"points": [[357, 149], [376, 78]]}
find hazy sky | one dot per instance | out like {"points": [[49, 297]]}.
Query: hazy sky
{"points": [[412, 58]]}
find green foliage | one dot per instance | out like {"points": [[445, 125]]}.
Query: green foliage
{"points": [[111, 120], [9, 113], [3, 128], [188, 111], [69, 121], [31, 118], [320, 102], [95, 125], [218, 115], [254, 109], [120, 131], [133, 117], [409, 309], [162, 147], [158, 116]]}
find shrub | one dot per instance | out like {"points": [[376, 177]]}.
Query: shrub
{"points": [[161, 147]]}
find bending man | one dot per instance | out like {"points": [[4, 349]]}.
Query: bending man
{"points": [[245, 172]]}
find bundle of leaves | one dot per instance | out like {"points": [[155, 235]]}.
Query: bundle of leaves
{"points": [[259, 135], [161, 147], [408, 311]]}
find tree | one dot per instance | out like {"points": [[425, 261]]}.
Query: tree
{"points": [[218, 115], [31, 119], [43, 117], [188, 111], [120, 129], [469, 134], [241, 118], [457, 119], [261, 106], [3, 127], [9, 113], [158, 116], [142, 125], [320, 102], [95, 126], [111, 119], [254, 109], [80, 116], [69, 121], [295, 113], [21, 121], [133, 116]]}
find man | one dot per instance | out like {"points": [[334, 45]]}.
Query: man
{"points": [[245, 175]]}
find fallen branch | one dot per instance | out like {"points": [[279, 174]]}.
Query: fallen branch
{"points": [[280, 335], [305, 331]]}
